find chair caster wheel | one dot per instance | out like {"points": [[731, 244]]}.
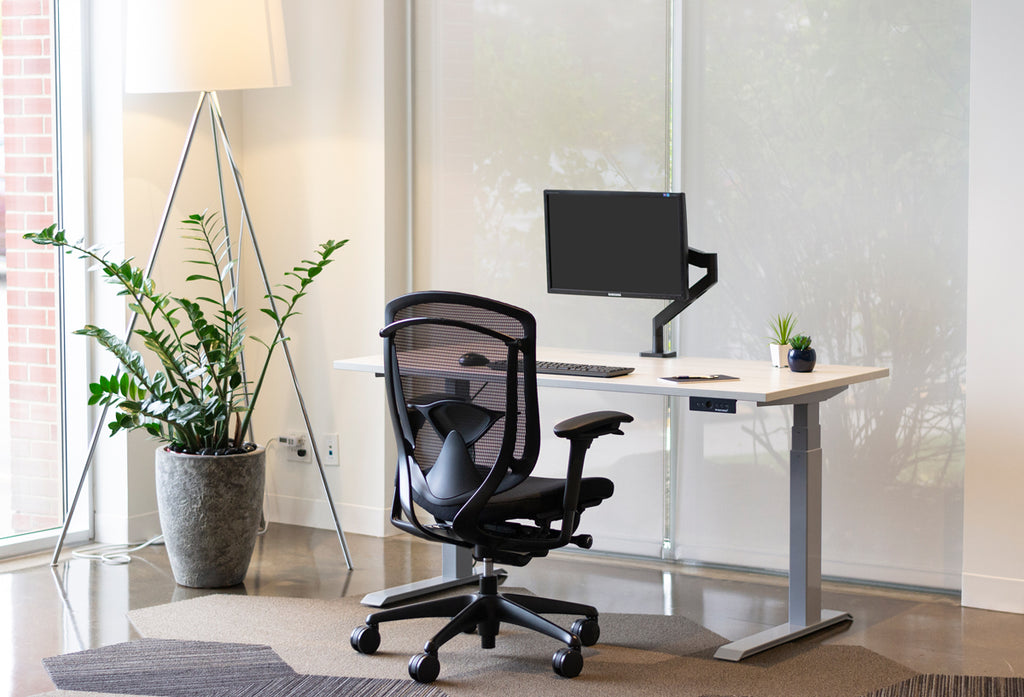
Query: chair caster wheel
{"points": [[587, 631], [424, 667], [365, 639], [567, 662]]}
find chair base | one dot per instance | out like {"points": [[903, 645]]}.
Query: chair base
{"points": [[483, 613]]}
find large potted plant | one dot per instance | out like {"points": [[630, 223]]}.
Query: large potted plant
{"points": [[198, 404]]}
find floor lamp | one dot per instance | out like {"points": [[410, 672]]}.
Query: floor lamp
{"points": [[204, 46]]}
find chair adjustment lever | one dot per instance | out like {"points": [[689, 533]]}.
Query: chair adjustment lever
{"points": [[584, 541]]}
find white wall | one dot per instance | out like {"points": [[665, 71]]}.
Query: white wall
{"points": [[313, 158], [321, 159], [993, 573]]}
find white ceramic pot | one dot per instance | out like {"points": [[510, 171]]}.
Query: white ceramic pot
{"points": [[780, 355]]}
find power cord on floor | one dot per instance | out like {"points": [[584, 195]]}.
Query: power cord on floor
{"points": [[116, 554], [121, 553]]}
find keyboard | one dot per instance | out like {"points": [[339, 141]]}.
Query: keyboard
{"points": [[579, 369]]}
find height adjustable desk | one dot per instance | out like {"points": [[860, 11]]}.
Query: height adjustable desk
{"points": [[758, 383]]}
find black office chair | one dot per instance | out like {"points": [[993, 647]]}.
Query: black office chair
{"points": [[468, 438]]}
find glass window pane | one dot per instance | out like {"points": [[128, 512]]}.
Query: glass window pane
{"points": [[512, 98], [828, 147], [31, 463]]}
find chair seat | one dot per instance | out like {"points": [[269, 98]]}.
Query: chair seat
{"points": [[535, 498], [540, 498]]}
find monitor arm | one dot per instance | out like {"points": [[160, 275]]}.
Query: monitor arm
{"points": [[704, 260]]}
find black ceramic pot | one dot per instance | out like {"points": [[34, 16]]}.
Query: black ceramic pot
{"points": [[802, 361]]}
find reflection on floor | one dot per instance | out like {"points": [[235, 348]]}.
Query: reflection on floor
{"points": [[82, 604]]}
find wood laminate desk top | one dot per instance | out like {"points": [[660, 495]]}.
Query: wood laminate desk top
{"points": [[758, 381]]}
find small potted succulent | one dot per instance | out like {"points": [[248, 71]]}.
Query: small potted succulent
{"points": [[198, 402], [801, 356], [782, 327]]}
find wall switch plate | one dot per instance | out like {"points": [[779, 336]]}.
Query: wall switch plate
{"points": [[330, 453]]}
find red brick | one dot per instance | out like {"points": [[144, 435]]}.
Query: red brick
{"points": [[24, 8], [26, 278], [46, 375], [27, 392], [50, 452], [20, 46], [41, 298], [15, 185], [10, 26], [23, 410], [24, 125], [28, 355], [16, 259], [39, 106], [37, 221], [14, 87], [28, 430], [35, 26], [26, 203], [39, 185], [13, 107], [43, 412], [35, 145], [17, 372], [40, 258], [13, 220], [35, 335], [24, 164], [32, 317]]}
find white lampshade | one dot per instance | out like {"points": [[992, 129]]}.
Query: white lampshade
{"points": [[204, 45]]}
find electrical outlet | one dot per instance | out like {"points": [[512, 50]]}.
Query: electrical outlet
{"points": [[330, 452], [300, 452]]}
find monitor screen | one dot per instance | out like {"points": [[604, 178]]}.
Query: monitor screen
{"points": [[616, 243]]}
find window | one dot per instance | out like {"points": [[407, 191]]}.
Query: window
{"points": [[823, 150], [32, 462]]}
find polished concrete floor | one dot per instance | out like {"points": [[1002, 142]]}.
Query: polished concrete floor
{"points": [[82, 604]]}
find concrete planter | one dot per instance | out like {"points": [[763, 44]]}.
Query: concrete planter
{"points": [[210, 508]]}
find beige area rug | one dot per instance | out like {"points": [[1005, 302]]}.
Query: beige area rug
{"points": [[637, 655]]}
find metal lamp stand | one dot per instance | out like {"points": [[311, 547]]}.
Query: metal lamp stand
{"points": [[209, 99]]}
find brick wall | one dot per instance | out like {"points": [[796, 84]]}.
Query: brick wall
{"points": [[28, 170]]}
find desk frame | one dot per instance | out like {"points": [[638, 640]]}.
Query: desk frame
{"points": [[759, 383]]}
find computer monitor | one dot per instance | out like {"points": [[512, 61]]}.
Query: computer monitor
{"points": [[628, 244]]}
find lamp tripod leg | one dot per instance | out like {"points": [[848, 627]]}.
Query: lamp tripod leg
{"points": [[94, 439], [236, 176]]}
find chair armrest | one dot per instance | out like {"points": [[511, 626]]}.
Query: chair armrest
{"points": [[592, 425]]}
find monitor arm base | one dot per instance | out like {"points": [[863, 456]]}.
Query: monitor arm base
{"points": [[703, 260]]}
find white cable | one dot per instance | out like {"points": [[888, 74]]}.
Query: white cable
{"points": [[121, 553], [117, 553]]}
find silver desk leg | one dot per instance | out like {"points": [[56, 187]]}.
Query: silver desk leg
{"points": [[456, 570], [805, 613]]}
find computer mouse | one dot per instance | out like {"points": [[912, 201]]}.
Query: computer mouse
{"points": [[471, 359]]}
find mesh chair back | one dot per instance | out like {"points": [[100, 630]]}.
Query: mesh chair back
{"points": [[432, 392]]}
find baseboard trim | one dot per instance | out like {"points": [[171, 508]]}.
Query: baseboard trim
{"points": [[315, 513], [993, 593]]}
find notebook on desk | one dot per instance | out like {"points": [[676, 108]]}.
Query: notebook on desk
{"points": [[714, 377]]}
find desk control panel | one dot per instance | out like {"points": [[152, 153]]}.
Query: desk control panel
{"points": [[715, 404]]}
